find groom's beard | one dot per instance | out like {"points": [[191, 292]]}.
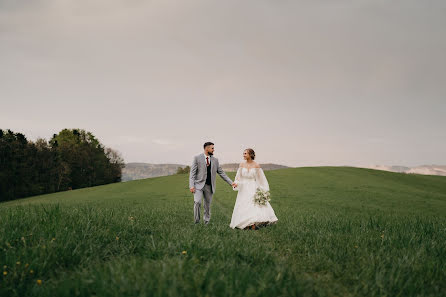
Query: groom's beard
{"points": [[210, 154]]}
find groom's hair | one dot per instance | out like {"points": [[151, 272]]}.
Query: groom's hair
{"points": [[207, 144]]}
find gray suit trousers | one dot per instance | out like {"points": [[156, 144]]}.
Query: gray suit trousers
{"points": [[203, 195]]}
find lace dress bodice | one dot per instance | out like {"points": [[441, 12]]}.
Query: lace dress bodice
{"points": [[245, 175]]}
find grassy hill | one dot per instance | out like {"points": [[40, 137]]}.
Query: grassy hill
{"points": [[341, 232]]}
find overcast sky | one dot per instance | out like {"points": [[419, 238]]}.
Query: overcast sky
{"points": [[304, 83]]}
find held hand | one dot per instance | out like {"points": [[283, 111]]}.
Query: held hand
{"points": [[192, 190], [234, 185]]}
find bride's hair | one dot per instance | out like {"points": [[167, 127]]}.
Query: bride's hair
{"points": [[251, 153]]}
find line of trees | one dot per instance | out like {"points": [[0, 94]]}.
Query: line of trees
{"points": [[72, 159]]}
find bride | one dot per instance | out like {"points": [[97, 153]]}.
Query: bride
{"points": [[247, 214]]}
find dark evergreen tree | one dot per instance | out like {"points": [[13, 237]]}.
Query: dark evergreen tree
{"points": [[72, 159]]}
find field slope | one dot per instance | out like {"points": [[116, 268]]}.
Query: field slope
{"points": [[342, 232]]}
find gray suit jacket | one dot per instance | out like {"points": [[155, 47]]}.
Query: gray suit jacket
{"points": [[198, 172]]}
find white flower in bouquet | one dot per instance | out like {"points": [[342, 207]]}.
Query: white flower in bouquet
{"points": [[261, 197]]}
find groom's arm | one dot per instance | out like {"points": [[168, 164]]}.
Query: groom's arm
{"points": [[193, 173], [224, 176]]}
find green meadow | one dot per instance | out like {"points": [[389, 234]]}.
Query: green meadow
{"points": [[341, 232]]}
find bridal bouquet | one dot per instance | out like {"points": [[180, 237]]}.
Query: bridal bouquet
{"points": [[261, 197]]}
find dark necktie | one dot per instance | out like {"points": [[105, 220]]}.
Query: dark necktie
{"points": [[207, 161]]}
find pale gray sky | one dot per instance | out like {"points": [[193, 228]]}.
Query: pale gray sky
{"points": [[304, 83]]}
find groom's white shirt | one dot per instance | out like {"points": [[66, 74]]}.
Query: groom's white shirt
{"points": [[207, 157]]}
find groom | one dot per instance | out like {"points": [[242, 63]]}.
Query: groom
{"points": [[202, 181]]}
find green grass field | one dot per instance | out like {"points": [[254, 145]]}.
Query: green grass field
{"points": [[341, 232]]}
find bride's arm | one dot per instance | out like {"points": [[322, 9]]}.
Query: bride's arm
{"points": [[237, 179], [261, 180]]}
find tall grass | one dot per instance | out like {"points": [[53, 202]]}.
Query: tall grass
{"points": [[341, 232]]}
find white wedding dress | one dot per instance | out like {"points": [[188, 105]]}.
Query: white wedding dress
{"points": [[246, 212]]}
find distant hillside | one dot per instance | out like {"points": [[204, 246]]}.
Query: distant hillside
{"points": [[135, 171], [429, 169], [424, 169], [266, 166]]}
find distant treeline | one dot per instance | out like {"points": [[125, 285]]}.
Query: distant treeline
{"points": [[184, 170], [72, 159]]}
